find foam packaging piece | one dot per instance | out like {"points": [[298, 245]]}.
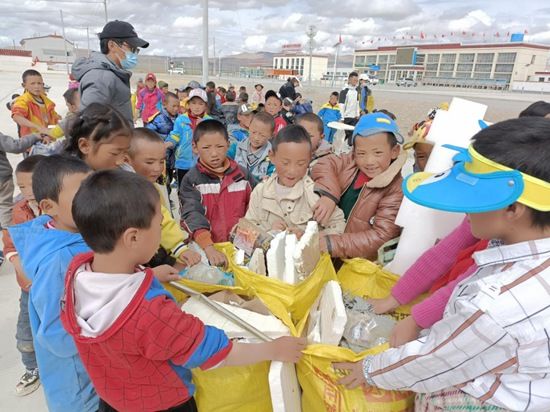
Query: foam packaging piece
{"points": [[257, 262], [307, 252], [328, 316], [276, 257], [423, 227], [268, 324], [284, 387], [290, 276]]}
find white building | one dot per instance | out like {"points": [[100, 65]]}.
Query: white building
{"points": [[298, 65], [454, 63], [49, 49]]}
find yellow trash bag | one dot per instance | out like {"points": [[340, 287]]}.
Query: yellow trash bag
{"points": [[246, 388], [318, 378]]}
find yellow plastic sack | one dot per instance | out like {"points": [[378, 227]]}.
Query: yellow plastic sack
{"points": [[318, 378], [246, 388]]}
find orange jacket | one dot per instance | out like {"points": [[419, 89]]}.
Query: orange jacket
{"points": [[42, 115]]}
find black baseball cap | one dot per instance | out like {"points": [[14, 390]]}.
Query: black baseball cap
{"points": [[122, 30]]}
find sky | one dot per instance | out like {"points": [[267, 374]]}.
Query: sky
{"points": [[173, 27]]}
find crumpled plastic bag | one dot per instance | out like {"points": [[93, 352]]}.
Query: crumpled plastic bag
{"points": [[202, 272]]}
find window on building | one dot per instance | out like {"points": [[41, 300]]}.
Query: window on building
{"points": [[502, 76], [504, 68], [506, 58], [433, 58], [445, 75], [541, 79], [392, 58], [275, 62], [485, 58], [302, 62], [463, 75], [483, 68], [466, 57], [448, 58], [464, 67], [481, 75], [383, 58], [360, 61], [371, 60], [446, 67], [432, 67], [429, 74], [287, 63]]}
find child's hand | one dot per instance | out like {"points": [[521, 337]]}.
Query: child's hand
{"points": [[298, 232], [214, 257], [166, 273], [288, 349], [323, 209], [279, 225], [323, 246], [404, 331], [190, 258], [384, 305], [355, 376]]}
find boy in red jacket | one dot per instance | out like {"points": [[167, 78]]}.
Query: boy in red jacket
{"points": [[135, 342]]}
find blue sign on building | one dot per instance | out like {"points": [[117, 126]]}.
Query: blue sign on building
{"points": [[516, 37], [374, 67]]}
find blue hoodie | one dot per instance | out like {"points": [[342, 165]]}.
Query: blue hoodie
{"points": [[182, 137], [45, 255]]}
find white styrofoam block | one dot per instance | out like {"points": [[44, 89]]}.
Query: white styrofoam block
{"points": [[290, 275], [239, 257], [423, 227], [257, 262], [307, 252], [284, 387], [333, 314], [268, 324], [276, 257]]}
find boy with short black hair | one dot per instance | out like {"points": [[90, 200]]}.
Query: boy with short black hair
{"points": [[253, 152], [315, 128], [490, 351], [46, 245], [33, 111], [24, 210], [72, 100], [137, 344], [273, 106], [330, 112], [214, 194], [239, 132], [366, 185], [147, 158], [286, 200]]}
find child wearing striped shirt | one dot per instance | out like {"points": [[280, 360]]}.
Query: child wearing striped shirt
{"points": [[490, 351]]}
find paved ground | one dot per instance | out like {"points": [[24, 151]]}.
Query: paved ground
{"points": [[409, 105]]}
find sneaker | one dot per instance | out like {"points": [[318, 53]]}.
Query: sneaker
{"points": [[28, 383]]}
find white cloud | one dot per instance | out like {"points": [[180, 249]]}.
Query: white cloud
{"points": [[185, 22], [255, 42], [472, 19], [360, 26]]}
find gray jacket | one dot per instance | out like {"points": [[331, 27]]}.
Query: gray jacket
{"points": [[11, 145], [102, 81]]}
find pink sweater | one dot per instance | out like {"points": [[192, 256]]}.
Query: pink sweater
{"points": [[429, 267]]}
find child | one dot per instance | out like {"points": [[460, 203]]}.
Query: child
{"points": [[253, 152], [183, 95], [214, 194], [230, 109], [490, 350], [243, 98], [285, 201], [258, 94], [23, 211], [149, 99], [180, 139], [10, 145], [162, 121], [100, 136], [314, 127], [33, 111], [366, 185], [46, 246], [147, 158], [72, 100], [136, 343], [133, 99], [163, 87], [330, 112], [273, 106], [237, 133]]}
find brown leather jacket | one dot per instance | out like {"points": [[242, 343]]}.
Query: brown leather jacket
{"points": [[371, 222]]}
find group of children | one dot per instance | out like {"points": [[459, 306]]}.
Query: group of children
{"points": [[95, 234]]}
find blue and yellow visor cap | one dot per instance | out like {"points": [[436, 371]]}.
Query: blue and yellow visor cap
{"points": [[476, 184]]}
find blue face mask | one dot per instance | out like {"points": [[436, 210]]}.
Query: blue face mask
{"points": [[130, 61]]}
